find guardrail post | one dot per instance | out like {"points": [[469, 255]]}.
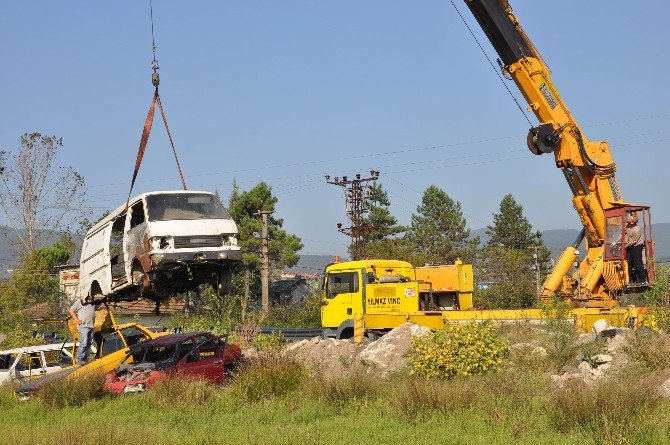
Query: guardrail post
{"points": [[359, 328]]}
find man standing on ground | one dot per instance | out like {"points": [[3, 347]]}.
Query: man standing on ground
{"points": [[84, 315]]}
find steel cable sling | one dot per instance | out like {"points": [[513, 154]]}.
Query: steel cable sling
{"points": [[148, 123]]}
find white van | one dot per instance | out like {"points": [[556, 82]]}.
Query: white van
{"points": [[162, 243]]}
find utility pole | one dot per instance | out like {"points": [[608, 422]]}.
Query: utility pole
{"points": [[536, 266], [265, 262], [356, 198]]}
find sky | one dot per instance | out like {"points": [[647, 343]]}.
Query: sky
{"points": [[286, 92]]}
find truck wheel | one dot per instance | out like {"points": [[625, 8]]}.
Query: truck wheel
{"points": [[137, 273], [224, 280], [95, 294]]}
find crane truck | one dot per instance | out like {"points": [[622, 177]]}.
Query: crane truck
{"points": [[357, 298]]}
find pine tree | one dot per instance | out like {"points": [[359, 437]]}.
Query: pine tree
{"points": [[382, 226], [507, 262], [510, 228], [283, 247], [439, 232]]}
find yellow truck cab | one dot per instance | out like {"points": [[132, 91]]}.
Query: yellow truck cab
{"points": [[377, 287]]}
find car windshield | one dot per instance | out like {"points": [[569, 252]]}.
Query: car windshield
{"points": [[185, 206], [159, 354]]}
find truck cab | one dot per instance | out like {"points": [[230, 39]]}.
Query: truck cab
{"points": [[357, 287], [388, 288]]}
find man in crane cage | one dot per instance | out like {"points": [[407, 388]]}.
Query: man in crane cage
{"points": [[634, 241]]}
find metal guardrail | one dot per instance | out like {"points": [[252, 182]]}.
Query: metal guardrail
{"points": [[287, 334], [292, 334]]}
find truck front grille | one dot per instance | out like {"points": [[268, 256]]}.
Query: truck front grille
{"points": [[187, 242]]}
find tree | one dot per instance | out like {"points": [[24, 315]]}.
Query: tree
{"points": [[38, 197], [506, 279], [507, 264], [382, 227], [510, 228], [33, 282], [283, 247], [439, 232]]}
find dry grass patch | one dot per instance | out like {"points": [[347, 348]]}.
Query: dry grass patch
{"points": [[609, 411], [651, 350], [356, 388], [184, 389], [71, 392], [266, 376]]}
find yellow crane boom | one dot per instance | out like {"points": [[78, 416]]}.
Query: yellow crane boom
{"points": [[588, 168]]}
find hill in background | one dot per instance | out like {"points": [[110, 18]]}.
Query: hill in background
{"points": [[558, 239]]}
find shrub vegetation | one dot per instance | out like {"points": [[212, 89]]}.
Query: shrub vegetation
{"points": [[460, 349]]}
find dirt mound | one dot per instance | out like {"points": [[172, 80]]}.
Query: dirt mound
{"points": [[334, 357], [389, 353], [329, 356]]}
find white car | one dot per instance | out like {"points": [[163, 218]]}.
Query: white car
{"points": [[160, 244], [21, 364]]}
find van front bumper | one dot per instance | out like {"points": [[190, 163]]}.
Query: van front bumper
{"points": [[164, 259]]}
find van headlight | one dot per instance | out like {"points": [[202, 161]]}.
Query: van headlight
{"points": [[229, 240], [161, 242]]}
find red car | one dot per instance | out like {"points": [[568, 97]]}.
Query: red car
{"points": [[198, 354]]}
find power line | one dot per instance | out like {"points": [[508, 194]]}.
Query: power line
{"points": [[492, 65], [432, 160], [386, 153]]}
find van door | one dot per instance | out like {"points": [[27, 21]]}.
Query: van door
{"points": [[341, 287], [116, 255], [95, 264], [136, 243]]}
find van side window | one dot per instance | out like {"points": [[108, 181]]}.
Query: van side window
{"points": [[116, 239], [137, 214], [341, 283]]}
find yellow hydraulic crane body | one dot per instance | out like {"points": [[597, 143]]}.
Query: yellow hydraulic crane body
{"points": [[587, 166]]}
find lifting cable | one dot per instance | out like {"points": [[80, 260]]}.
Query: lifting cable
{"points": [[492, 65], [155, 80]]}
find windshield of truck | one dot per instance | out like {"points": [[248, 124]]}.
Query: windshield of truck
{"points": [[185, 206], [341, 283]]}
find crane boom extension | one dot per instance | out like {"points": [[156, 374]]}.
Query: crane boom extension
{"points": [[587, 166]]}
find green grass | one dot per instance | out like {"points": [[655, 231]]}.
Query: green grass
{"points": [[274, 400], [502, 408]]}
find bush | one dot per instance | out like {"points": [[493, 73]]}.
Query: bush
{"points": [[71, 392], [266, 376], [187, 390], [306, 316], [268, 341], [459, 349]]}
